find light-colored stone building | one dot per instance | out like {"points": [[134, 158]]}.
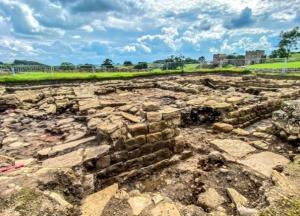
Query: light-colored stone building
{"points": [[219, 59], [254, 57]]}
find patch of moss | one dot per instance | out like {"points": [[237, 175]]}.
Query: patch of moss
{"points": [[284, 207]]}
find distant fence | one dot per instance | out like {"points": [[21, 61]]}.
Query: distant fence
{"points": [[283, 65], [8, 69]]}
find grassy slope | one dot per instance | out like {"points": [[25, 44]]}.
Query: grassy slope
{"points": [[277, 65], [40, 76]]}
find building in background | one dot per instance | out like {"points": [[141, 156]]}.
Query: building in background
{"points": [[254, 57], [219, 59]]}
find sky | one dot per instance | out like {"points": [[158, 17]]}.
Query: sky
{"points": [[88, 31]]}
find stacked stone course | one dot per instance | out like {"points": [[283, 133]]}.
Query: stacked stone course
{"points": [[149, 143]]}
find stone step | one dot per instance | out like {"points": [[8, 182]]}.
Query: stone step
{"points": [[77, 158], [65, 148]]}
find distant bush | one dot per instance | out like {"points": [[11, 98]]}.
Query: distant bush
{"points": [[127, 63], [141, 65], [107, 63], [67, 66], [24, 62], [86, 67]]}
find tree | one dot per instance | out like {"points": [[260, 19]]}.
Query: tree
{"points": [[86, 67], [141, 65], [127, 63], [107, 63], [189, 60], [66, 66], [288, 41], [1, 63], [174, 62], [201, 59]]}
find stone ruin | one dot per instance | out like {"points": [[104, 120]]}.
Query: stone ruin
{"points": [[178, 145]]}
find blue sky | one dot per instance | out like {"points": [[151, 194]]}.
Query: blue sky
{"points": [[87, 31]]}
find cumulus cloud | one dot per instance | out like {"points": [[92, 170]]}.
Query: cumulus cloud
{"points": [[87, 28], [149, 29], [136, 47], [245, 18]]}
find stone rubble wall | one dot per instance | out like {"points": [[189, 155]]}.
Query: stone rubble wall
{"points": [[286, 121], [141, 147], [247, 115]]}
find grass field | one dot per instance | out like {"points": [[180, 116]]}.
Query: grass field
{"points": [[41, 76], [276, 65]]}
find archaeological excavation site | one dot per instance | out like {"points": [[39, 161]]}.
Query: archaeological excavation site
{"points": [[176, 145]]}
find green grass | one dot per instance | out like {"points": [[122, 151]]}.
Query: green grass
{"points": [[276, 65], [295, 55], [41, 76]]}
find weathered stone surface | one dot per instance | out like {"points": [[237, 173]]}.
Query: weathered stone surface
{"points": [[131, 117], [150, 106], [222, 127], [139, 203], [157, 126], [241, 132], [165, 209], [94, 204], [260, 145], [138, 129], [66, 147], [59, 199], [95, 152], [69, 160], [235, 148], [85, 105], [210, 199], [154, 116], [170, 113], [264, 162], [135, 142], [29, 96], [237, 198], [287, 118], [154, 137]]}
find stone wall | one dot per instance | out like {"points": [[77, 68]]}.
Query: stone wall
{"points": [[139, 147], [286, 121], [245, 116]]}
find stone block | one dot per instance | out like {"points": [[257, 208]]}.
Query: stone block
{"points": [[138, 129], [119, 156], [134, 163], [179, 144], [115, 169], [154, 137], [135, 142], [134, 153], [170, 113], [168, 133], [154, 116], [150, 106], [149, 159], [146, 149], [157, 126], [103, 162], [223, 127]]}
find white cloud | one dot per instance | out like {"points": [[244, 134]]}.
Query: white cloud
{"points": [[284, 16], [76, 37], [87, 28], [135, 47], [168, 36], [129, 48], [245, 44]]}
